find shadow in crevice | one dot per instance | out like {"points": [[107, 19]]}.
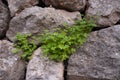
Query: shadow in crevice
{"points": [[99, 28], [118, 23], [83, 12], [65, 69], [5, 2], [41, 4]]}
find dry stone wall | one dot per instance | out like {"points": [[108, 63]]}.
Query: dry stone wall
{"points": [[97, 59]]}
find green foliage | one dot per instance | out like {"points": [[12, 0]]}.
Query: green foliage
{"points": [[23, 44], [59, 45]]}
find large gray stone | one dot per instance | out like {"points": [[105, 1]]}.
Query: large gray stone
{"points": [[36, 19], [16, 6], [41, 68], [71, 5], [98, 58], [4, 19], [11, 66], [107, 12]]}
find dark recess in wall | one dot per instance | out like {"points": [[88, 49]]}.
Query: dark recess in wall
{"points": [[41, 4], [25, 71], [118, 22], [5, 2], [83, 12], [65, 69], [2, 37], [98, 28]]}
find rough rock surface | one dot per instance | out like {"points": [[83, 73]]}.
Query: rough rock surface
{"points": [[16, 6], [71, 5], [11, 67], [99, 57], [4, 19], [41, 68], [107, 12], [36, 19]]}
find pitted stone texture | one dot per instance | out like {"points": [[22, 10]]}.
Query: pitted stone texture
{"points": [[41, 68], [70, 5], [36, 19], [11, 66], [16, 6], [99, 57], [106, 12]]}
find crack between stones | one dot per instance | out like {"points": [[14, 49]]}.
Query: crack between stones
{"points": [[41, 4], [5, 2], [65, 69], [99, 28], [25, 72], [118, 23]]}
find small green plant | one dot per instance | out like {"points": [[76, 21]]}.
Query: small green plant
{"points": [[23, 44], [59, 45]]}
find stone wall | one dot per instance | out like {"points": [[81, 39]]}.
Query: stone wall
{"points": [[97, 59]]}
